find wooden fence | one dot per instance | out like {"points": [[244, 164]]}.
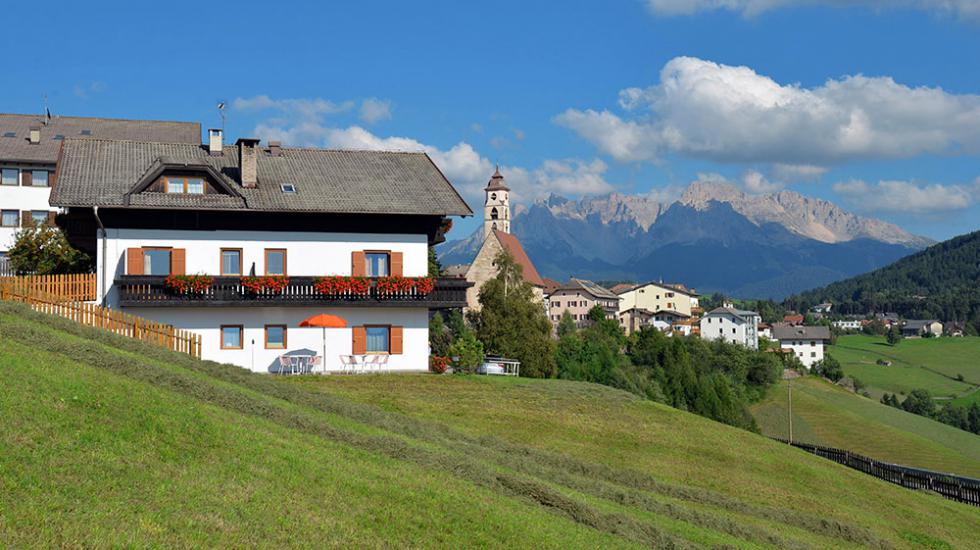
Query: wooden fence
{"points": [[112, 320], [953, 487], [81, 287]]}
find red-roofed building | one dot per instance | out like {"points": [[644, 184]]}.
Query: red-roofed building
{"points": [[497, 239]]}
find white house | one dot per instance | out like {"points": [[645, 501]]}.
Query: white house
{"points": [[732, 325], [657, 296], [264, 227], [29, 146], [847, 324], [805, 342]]}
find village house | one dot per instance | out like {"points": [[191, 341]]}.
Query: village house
{"points": [[496, 239], [578, 297], [682, 302], [793, 318], [736, 326], [29, 146], [634, 318], [806, 343], [915, 328], [179, 230]]}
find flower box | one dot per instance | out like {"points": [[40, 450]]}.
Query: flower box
{"points": [[189, 284]]}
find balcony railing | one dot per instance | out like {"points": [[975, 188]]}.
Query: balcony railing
{"points": [[152, 291]]}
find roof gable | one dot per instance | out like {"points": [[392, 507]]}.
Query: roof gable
{"points": [[163, 166]]}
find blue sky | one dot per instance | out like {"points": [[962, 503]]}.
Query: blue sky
{"points": [[874, 105]]}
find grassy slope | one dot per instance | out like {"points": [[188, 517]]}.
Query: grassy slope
{"points": [[930, 363], [106, 442], [825, 414]]}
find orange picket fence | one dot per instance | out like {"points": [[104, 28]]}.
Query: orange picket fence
{"points": [[92, 315], [81, 287]]}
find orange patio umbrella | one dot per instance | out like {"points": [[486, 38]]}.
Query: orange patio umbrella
{"points": [[324, 321]]}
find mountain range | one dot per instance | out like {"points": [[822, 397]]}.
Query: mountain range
{"points": [[714, 238]]}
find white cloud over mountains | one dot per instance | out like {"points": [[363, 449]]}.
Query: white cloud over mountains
{"points": [[908, 197], [302, 122], [965, 9], [725, 113]]}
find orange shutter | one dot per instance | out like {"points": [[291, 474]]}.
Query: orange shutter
{"points": [[359, 344], [25, 218], [178, 261], [357, 266], [134, 261], [396, 341], [51, 178], [396, 263], [51, 216], [26, 178]]}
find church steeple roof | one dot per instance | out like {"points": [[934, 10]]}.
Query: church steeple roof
{"points": [[496, 182]]}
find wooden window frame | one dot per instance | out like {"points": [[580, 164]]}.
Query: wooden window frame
{"points": [[166, 185], [221, 262], [285, 337], [170, 268], [17, 224], [366, 263], [17, 183], [369, 352], [285, 258], [48, 176], [241, 336]]}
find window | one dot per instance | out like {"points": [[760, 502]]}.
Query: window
{"points": [[812, 343], [275, 337], [156, 261], [185, 184], [733, 330], [10, 176], [39, 217], [275, 261], [377, 264], [9, 218], [39, 178], [813, 354], [378, 339], [288, 188], [231, 261], [231, 337]]}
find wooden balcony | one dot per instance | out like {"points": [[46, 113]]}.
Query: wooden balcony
{"points": [[151, 291]]}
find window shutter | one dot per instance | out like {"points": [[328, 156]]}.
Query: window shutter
{"points": [[51, 216], [51, 178], [357, 267], [396, 263], [134, 261], [396, 341], [178, 261], [25, 218], [26, 178], [359, 344]]}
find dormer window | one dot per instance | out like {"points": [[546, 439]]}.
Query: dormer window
{"points": [[187, 185]]}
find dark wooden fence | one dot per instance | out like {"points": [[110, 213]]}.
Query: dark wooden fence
{"points": [[958, 488]]}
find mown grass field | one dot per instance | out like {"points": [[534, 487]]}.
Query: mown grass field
{"points": [[825, 414], [930, 363], [106, 442]]}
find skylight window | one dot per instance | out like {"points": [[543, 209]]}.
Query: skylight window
{"points": [[287, 188], [10, 134], [86, 132], [58, 137]]}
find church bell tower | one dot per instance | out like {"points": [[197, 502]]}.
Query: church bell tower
{"points": [[496, 207]]}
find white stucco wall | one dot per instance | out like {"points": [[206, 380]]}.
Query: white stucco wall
{"points": [[809, 352], [254, 356], [308, 253], [730, 328], [21, 198], [653, 297]]}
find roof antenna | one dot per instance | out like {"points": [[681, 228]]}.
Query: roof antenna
{"points": [[47, 112], [221, 113]]}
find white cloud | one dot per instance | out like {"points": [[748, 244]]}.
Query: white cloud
{"points": [[797, 172], [966, 9], [302, 107], [568, 177], [733, 114], [375, 110], [908, 197], [757, 184]]}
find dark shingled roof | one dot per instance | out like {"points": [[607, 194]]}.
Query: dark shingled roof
{"points": [[19, 148], [785, 332], [102, 172]]}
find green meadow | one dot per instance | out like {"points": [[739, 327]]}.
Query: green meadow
{"points": [[106, 442]]}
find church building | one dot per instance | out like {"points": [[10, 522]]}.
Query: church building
{"points": [[497, 238]]}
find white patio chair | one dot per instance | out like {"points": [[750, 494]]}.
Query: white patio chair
{"points": [[285, 362], [372, 363], [383, 363], [347, 364], [315, 362]]}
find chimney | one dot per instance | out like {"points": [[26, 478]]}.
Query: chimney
{"points": [[215, 145], [35, 135], [275, 148], [248, 160]]}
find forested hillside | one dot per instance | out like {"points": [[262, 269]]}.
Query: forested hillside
{"points": [[942, 282]]}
